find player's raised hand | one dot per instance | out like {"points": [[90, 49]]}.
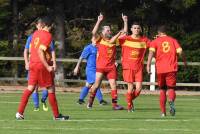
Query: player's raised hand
{"points": [[124, 18], [100, 17]]}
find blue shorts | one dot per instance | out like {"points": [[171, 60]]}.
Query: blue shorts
{"points": [[90, 75]]}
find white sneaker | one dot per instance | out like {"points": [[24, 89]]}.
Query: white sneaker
{"points": [[19, 116]]}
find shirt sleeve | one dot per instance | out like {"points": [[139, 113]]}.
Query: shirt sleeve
{"points": [[177, 46], [45, 41], [85, 53], [152, 46], [121, 40], [28, 42]]}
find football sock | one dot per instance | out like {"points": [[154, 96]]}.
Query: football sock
{"points": [[99, 95], [44, 95], [53, 103], [171, 94], [114, 97], [24, 101], [129, 100], [91, 98], [83, 93], [163, 101], [35, 97], [136, 93]]}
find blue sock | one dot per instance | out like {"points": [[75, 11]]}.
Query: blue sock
{"points": [[35, 97], [83, 93], [44, 95], [99, 95]]}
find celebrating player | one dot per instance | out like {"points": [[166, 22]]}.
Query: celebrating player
{"points": [[165, 49], [41, 70], [105, 63], [35, 94], [133, 52], [89, 53]]}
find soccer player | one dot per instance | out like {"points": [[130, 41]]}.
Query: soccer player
{"points": [[105, 62], [35, 94], [165, 49], [41, 70], [133, 51], [89, 53]]}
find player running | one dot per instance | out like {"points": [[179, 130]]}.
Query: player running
{"points": [[41, 70], [89, 53], [105, 62], [133, 51], [165, 49]]}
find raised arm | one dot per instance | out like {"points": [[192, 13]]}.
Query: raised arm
{"points": [[125, 19], [114, 38], [96, 27]]}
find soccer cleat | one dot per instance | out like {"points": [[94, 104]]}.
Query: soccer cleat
{"points": [[80, 102], [103, 102], [19, 116], [36, 109], [61, 117], [44, 106], [118, 107], [172, 108], [89, 106], [163, 114]]}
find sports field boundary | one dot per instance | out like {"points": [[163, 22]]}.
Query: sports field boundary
{"points": [[14, 89]]}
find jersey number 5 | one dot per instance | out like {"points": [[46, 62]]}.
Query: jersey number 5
{"points": [[165, 47]]}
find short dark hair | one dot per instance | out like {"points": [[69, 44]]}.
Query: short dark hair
{"points": [[162, 29], [47, 20], [136, 23]]}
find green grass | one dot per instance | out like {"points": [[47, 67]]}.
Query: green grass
{"points": [[102, 119]]}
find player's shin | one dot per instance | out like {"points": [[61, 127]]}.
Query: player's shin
{"points": [[163, 101], [53, 103], [24, 101]]}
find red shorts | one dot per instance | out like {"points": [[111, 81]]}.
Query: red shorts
{"points": [[130, 75], [109, 73], [167, 79], [39, 75]]}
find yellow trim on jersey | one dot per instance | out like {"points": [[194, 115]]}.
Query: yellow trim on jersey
{"points": [[179, 50], [152, 49], [43, 47], [106, 43], [135, 44]]}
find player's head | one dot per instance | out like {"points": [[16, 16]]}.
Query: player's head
{"points": [[162, 29], [136, 28], [39, 24], [47, 22], [106, 31]]}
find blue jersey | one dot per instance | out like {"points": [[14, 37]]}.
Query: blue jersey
{"points": [[28, 42], [89, 53]]}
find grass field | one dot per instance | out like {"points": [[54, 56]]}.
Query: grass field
{"points": [[101, 119]]}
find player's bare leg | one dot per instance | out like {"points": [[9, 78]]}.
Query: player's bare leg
{"points": [[94, 88]]}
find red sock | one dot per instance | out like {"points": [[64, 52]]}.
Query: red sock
{"points": [[53, 103], [24, 101], [91, 98], [114, 97], [163, 101], [171, 94], [136, 93], [129, 99]]}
